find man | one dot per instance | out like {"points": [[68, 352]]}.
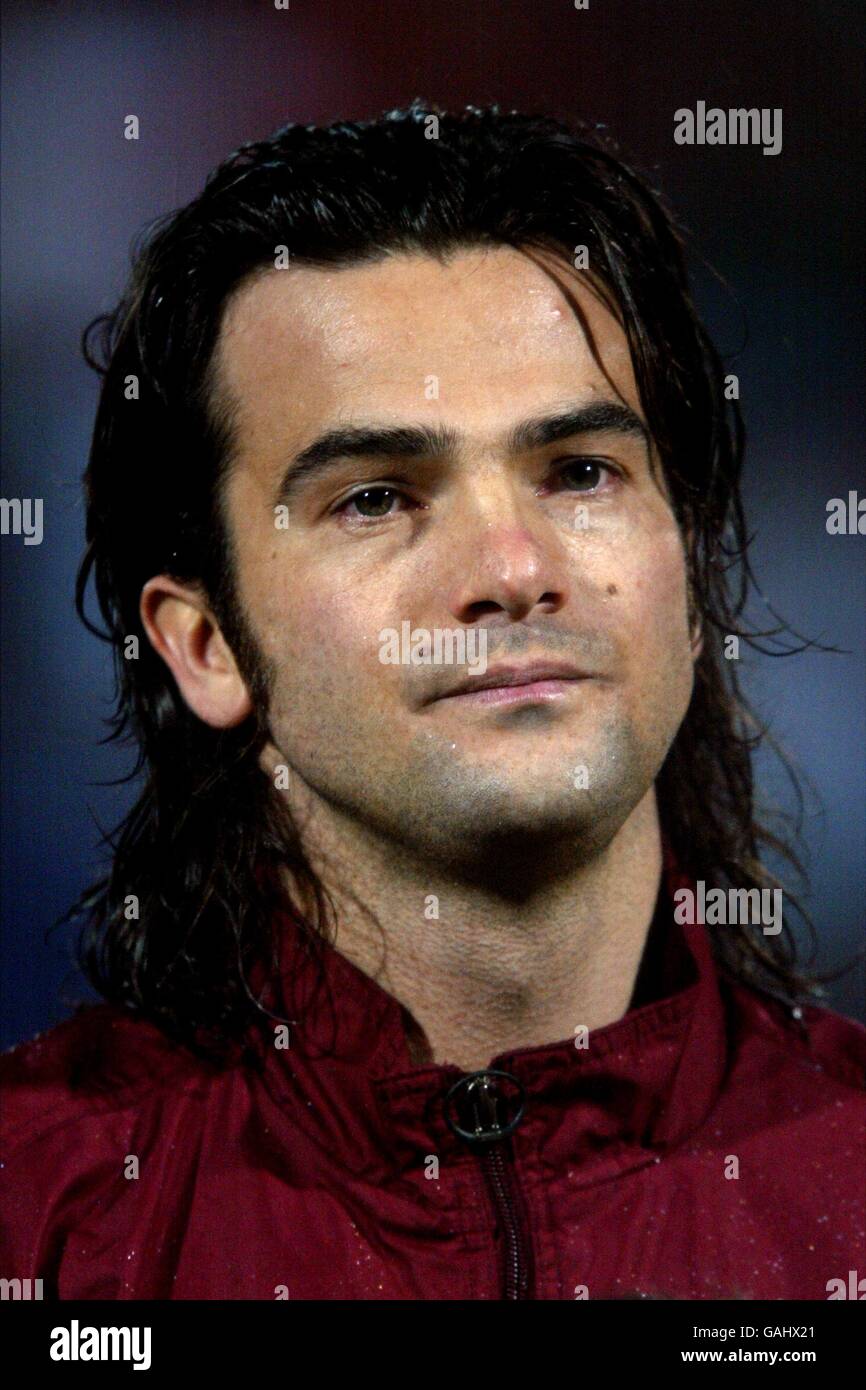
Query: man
{"points": [[412, 988]]}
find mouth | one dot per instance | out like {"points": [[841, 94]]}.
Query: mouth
{"points": [[510, 685]]}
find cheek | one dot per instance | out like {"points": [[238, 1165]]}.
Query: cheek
{"points": [[651, 599], [321, 641], [658, 584]]}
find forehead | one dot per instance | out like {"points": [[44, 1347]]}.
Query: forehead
{"points": [[490, 335]]}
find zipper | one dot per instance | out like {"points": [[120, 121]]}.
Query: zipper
{"points": [[483, 1115], [516, 1260]]}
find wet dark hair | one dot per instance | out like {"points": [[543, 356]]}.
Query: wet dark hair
{"points": [[198, 852]]}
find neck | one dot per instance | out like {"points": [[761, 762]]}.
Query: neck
{"points": [[485, 965]]}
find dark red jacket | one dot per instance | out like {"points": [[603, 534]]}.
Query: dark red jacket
{"points": [[708, 1144]]}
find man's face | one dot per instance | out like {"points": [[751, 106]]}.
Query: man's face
{"points": [[559, 550]]}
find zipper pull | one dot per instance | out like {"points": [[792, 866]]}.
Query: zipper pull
{"points": [[485, 1106]]}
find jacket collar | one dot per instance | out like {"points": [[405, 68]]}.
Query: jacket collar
{"points": [[648, 1079]]}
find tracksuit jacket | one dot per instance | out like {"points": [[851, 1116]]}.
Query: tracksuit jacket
{"points": [[708, 1144]]}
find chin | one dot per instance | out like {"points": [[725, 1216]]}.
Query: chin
{"points": [[523, 818]]}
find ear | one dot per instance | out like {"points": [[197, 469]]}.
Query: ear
{"points": [[182, 629], [696, 626]]}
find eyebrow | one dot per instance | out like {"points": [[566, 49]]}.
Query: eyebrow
{"points": [[425, 441]]}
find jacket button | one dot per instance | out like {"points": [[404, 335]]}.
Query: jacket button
{"points": [[484, 1106]]}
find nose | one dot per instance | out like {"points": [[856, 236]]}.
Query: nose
{"points": [[505, 557]]}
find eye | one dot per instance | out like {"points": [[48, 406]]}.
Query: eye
{"points": [[585, 474], [371, 502]]}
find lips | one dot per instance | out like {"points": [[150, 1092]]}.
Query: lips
{"points": [[549, 674]]}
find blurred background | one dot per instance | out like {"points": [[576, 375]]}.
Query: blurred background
{"points": [[784, 232]]}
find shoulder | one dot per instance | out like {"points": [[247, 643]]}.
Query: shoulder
{"points": [[79, 1102], [805, 1044], [100, 1061]]}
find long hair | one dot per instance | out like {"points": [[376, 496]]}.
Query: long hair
{"points": [[187, 907]]}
